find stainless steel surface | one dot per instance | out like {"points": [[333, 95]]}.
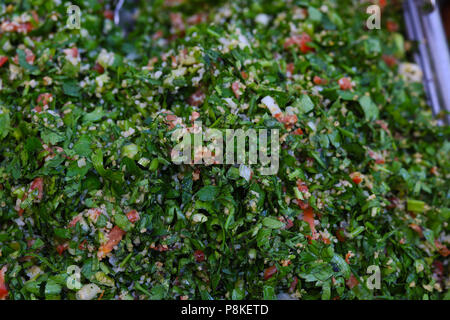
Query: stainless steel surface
{"points": [[117, 11], [433, 56]]}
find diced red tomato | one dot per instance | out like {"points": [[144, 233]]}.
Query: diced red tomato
{"points": [[171, 119], [199, 255], [317, 80], [177, 22], [442, 249], [108, 14], [417, 229], [326, 240], [24, 27], [3, 289], [35, 16], [159, 247], [72, 52], [301, 42], [94, 213], [293, 284], [3, 60], [301, 186], [38, 184], [133, 216], [44, 99], [197, 98], [74, 221], [235, 87], [382, 3], [392, 26], [347, 257], [352, 282], [98, 67], [82, 245], [340, 235], [289, 224], [377, 157], [195, 115], [298, 132], [244, 75], [290, 69], [288, 120], [269, 272], [60, 248], [303, 205], [389, 60], [356, 177], [101, 295], [114, 237], [196, 18], [308, 216], [345, 83], [29, 57]]}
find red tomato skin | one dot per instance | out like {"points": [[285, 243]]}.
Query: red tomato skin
{"points": [[197, 98], [308, 216], [304, 48], [352, 282], [345, 83], [60, 248], [269, 272], [317, 80], [298, 132], [389, 60], [3, 289], [38, 184], [108, 14], [98, 68], [356, 177], [133, 216], [235, 88], [340, 235], [301, 186], [300, 41], [199, 256], [3, 60], [114, 237], [290, 67], [357, 180], [293, 285], [289, 224], [392, 26]]}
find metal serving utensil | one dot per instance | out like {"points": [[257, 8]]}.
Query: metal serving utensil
{"points": [[117, 11], [424, 25]]}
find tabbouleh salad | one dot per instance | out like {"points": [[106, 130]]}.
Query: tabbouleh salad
{"points": [[92, 207]]}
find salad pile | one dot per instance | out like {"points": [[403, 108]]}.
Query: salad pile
{"points": [[93, 207]]}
